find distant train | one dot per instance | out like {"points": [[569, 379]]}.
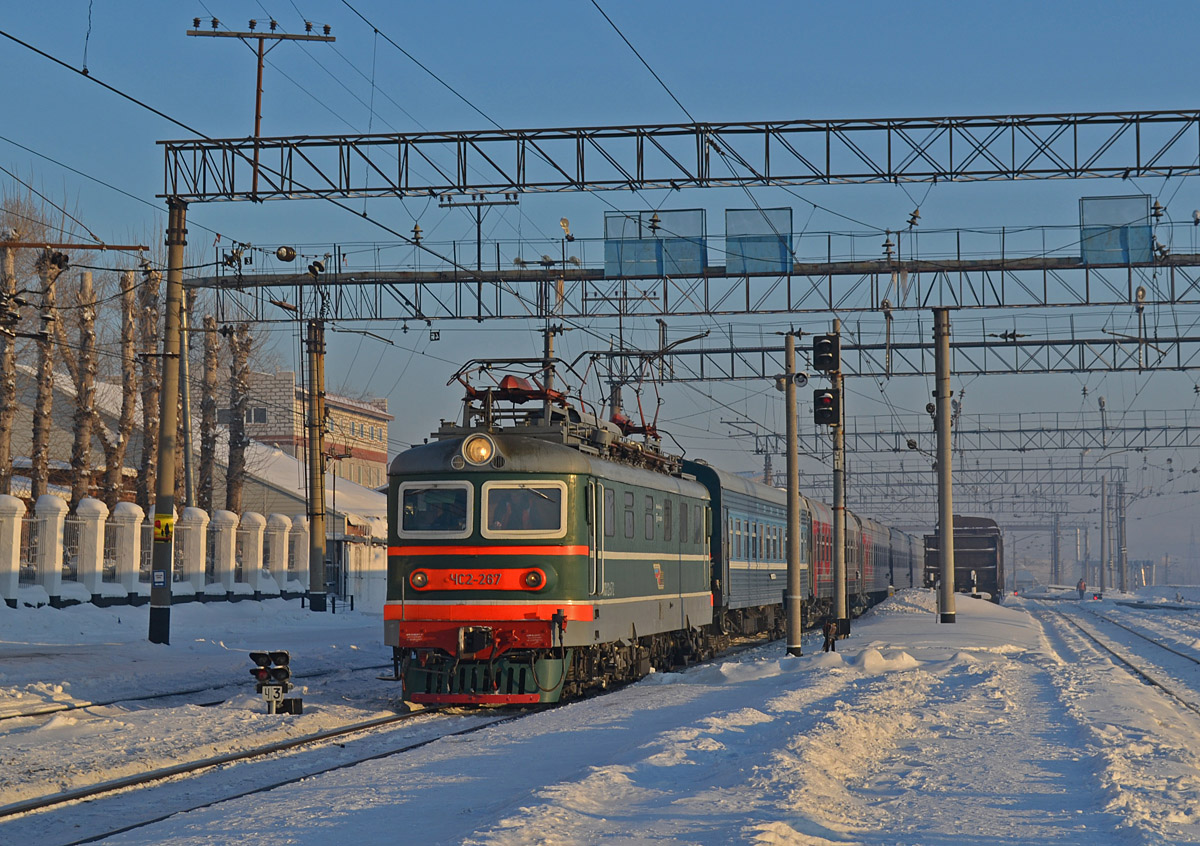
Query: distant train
{"points": [[978, 557], [535, 554]]}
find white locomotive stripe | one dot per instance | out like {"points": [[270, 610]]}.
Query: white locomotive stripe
{"points": [[761, 566], [649, 557]]}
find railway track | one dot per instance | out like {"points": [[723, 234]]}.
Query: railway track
{"points": [[1129, 664], [56, 708], [126, 802], [1144, 636], [276, 784], [355, 744]]}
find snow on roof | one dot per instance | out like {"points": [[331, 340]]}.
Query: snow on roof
{"points": [[287, 473]]}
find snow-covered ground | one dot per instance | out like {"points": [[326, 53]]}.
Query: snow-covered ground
{"points": [[1004, 728]]}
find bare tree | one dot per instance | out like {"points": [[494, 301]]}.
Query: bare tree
{"points": [[8, 363], [85, 392], [239, 400], [82, 367], [49, 266], [148, 322], [208, 415], [116, 444]]}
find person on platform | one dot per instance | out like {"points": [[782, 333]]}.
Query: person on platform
{"points": [[1081, 587], [830, 631]]}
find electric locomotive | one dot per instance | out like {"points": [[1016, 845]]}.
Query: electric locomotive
{"points": [[540, 558]]}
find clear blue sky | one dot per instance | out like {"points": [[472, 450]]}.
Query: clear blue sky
{"points": [[535, 64]]}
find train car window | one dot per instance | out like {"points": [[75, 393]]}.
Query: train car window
{"points": [[649, 517], [683, 526], [667, 528], [737, 538], [610, 512], [435, 509], [697, 525], [629, 514], [530, 509]]}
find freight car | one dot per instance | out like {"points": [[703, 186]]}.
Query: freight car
{"points": [[534, 554], [978, 557]]}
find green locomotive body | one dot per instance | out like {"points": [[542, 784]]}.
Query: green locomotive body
{"points": [[523, 563]]}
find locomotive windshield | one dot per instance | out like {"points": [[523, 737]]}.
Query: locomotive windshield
{"points": [[435, 509], [534, 509]]}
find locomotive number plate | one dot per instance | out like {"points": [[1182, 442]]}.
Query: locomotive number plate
{"points": [[514, 579], [475, 578]]}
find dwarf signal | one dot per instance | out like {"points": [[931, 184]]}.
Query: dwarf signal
{"points": [[273, 672]]}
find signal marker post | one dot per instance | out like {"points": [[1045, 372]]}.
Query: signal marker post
{"points": [[828, 410]]}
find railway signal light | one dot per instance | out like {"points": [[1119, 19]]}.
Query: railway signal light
{"points": [[273, 672], [827, 406], [827, 353]]}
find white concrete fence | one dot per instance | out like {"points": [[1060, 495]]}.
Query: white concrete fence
{"points": [[50, 557]]}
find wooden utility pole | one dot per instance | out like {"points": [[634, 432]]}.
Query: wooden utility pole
{"points": [[164, 492], [262, 38]]}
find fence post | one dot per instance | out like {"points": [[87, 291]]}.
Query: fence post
{"points": [[276, 557], [224, 540], [51, 513], [194, 521], [127, 520], [253, 525], [300, 552], [12, 512], [89, 565]]}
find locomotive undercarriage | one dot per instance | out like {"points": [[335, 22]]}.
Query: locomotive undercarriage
{"points": [[525, 676]]}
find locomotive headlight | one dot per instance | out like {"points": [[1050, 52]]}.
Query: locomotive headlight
{"points": [[419, 579], [534, 579], [478, 449]]}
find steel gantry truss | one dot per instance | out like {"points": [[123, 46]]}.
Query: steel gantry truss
{"points": [[703, 155], [1077, 432], [991, 488], [543, 289], [674, 156]]}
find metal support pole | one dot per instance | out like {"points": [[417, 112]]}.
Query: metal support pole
{"points": [[1087, 556], [1122, 557], [257, 117], [548, 369], [840, 604], [942, 395], [1055, 554], [316, 465], [168, 422], [795, 577], [185, 408], [1103, 533]]}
